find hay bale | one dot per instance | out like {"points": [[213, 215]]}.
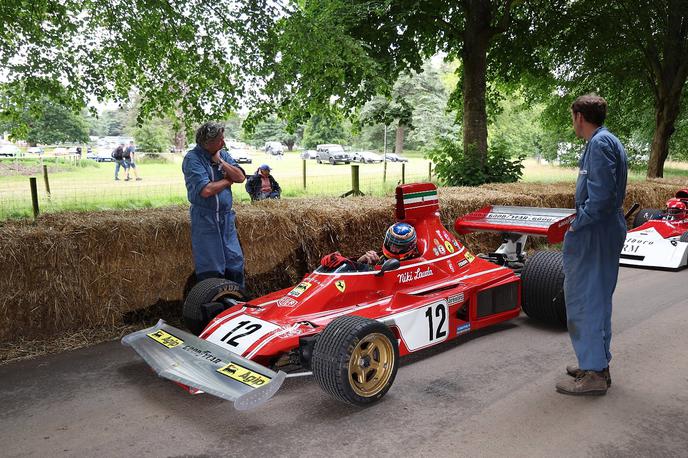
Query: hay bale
{"points": [[86, 270]]}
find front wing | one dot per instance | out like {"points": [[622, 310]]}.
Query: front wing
{"points": [[189, 360], [647, 248]]}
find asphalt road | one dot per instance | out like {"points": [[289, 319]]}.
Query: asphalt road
{"points": [[488, 394]]}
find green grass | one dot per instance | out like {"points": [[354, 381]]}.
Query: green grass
{"points": [[90, 186]]}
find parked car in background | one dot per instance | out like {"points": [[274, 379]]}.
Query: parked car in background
{"points": [[393, 157], [240, 155], [309, 154], [35, 150], [366, 157], [101, 154], [332, 153], [9, 150], [274, 148], [60, 151]]}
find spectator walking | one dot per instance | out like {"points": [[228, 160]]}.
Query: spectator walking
{"points": [[129, 161], [262, 185], [209, 172], [118, 156], [592, 247]]}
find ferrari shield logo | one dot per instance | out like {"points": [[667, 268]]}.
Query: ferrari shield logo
{"points": [[341, 286]]}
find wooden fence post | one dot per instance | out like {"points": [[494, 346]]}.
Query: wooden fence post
{"points": [[403, 173], [34, 196], [429, 171], [355, 183], [304, 174], [45, 178]]}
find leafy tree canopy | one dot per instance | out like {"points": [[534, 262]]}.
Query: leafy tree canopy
{"points": [[52, 123], [190, 55]]}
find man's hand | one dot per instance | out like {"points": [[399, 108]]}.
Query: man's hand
{"points": [[371, 257]]}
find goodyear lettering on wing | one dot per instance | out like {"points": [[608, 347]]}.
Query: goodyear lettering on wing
{"points": [[462, 263], [244, 375], [165, 338], [203, 354]]}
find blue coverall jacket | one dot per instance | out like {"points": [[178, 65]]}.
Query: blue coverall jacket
{"points": [[592, 248], [214, 239]]}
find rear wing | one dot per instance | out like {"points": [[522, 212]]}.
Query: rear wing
{"points": [[543, 222]]}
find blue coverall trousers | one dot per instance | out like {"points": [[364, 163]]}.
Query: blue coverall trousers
{"points": [[215, 245], [591, 268]]}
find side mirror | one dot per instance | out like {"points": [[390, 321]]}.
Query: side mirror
{"points": [[390, 264]]}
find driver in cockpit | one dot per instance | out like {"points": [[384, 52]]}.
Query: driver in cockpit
{"points": [[400, 243]]}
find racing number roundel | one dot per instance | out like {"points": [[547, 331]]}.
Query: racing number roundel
{"points": [[239, 334], [423, 326]]}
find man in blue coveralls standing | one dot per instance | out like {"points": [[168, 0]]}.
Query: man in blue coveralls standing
{"points": [[592, 247], [209, 172]]}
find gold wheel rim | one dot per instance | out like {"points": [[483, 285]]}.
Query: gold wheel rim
{"points": [[371, 365]]}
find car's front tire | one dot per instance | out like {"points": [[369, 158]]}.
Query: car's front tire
{"points": [[355, 360], [542, 288], [206, 300]]}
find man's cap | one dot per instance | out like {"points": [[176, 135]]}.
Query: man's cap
{"points": [[265, 167]]}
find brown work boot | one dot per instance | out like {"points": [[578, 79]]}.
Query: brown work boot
{"points": [[590, 383], [574, 372]]}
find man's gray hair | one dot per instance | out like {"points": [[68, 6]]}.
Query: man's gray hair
{"points": [[209, 131]]}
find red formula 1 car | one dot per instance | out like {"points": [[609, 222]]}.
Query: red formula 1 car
{"points": [[349, 328], [659, 238]]}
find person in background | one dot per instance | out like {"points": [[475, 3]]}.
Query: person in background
{"points": [[209, 173], [118, 156], [262, 185], [592, 247], [129, 162]]}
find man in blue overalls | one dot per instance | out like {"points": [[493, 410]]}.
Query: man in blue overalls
{"points": [[592, 247], [209, 172]]}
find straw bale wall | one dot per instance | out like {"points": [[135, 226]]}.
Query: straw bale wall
{"points": [[72, 271]]}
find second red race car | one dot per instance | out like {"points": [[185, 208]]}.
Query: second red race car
{"points": [[349, 326]]}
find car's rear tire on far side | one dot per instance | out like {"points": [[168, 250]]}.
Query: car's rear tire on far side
{"points": [[542, 288]]}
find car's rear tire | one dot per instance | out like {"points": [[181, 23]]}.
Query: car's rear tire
{"points": [[355, 360], [684, 237], [645, 215], [542, 288], [196, 311], [319, 161]]}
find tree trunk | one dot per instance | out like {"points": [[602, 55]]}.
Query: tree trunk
{"points": [[399, 140], [666, 114], [670, 71], [180, 140], [474, 54]]}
